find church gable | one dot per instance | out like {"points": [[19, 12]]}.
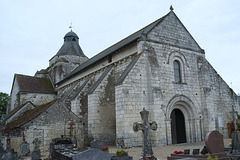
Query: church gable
{"points": [[170, 30]]}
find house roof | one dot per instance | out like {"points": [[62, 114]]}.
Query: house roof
{"points": [[128, 40], [29, 115], [15, 110], [31, 84]]}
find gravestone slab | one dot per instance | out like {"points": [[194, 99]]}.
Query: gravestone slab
{"points": [[92, 154], [126, 157], [98, 144], [214, 142]]}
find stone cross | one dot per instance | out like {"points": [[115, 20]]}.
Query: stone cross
{"points": [[71, 128], [145, 127], [36, 142]]}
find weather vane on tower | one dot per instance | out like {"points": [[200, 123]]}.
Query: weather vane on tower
{"points": [[71, 26]]}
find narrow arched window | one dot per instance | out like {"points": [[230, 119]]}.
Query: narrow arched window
{"points": [[177, 71]]}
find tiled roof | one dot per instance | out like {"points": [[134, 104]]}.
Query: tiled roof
{"points": [[34, 84], [29, 115], [18, 108]]}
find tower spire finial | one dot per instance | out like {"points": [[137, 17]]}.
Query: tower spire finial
{"points": [[71, 26], [171, 8]]}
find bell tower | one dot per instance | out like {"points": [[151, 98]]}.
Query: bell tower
{"points": [[69, 56]]}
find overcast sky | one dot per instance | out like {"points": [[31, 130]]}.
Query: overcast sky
{"points": [[32, 31]]}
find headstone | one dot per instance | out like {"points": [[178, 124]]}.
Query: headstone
{"points": [[10, 155], [145, 127], [214, 142], [36, 154], [195, 152], [92, 154], [204, 150], [186, 151], [2, 151], [235, 143], [120, 143], [98, 144], [24, 147]]}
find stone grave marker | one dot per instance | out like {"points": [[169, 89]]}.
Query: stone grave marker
{"points": [[204, 150], [36, 154], [236, 143], [145, 127], [92, 154], [186, 151], [98, 144], [2, 151], [24, 147], [120, 143], [214, 142], [195, 152], [9, 155]]}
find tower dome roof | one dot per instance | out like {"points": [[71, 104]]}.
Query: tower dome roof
{"points": [[71, 34], [71, 45]]}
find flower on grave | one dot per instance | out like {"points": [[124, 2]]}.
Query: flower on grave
{"points": [[231, 126], [121, 152], [149, 157], [178, 152], [105, 148]]}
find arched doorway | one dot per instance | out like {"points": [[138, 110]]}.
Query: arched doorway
{"points": [[178, 127]]}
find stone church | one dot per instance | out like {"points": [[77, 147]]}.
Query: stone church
{"points": [[160, 67]]}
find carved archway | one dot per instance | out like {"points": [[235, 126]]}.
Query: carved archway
{"points": [[187, 111], [178, 129]]}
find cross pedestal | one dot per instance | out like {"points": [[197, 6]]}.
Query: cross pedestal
{"points": [[145, 127]]}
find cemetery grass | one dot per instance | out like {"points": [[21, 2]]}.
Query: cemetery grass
{"points": [[163, 152]]}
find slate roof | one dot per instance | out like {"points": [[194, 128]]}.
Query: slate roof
{"points": [[18, 108], [128, 40], [31, 84], [70, 47], [29, 115]]}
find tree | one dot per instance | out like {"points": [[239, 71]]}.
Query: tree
{"points": [[3, 103]]}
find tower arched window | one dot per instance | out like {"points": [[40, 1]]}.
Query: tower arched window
{"points": [[177, 71]]}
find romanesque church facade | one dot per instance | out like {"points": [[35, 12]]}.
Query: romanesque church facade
{"points": [[160, 68]]}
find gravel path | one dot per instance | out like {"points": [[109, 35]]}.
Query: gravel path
{"points": [[164, 151]]}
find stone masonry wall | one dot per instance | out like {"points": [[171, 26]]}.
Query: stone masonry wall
{"points": [[101, 111], [36, 98], [219, 97]]}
